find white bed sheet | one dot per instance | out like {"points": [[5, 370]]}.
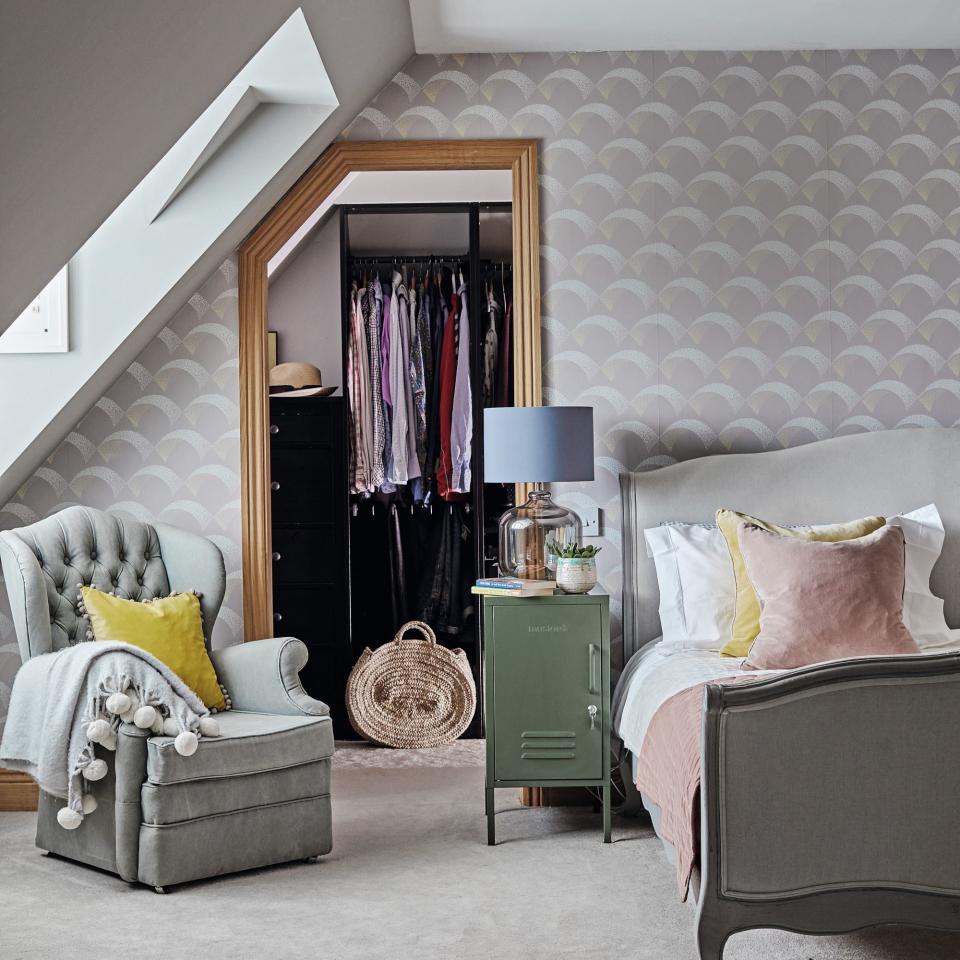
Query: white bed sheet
{"points": [[653, 675]]}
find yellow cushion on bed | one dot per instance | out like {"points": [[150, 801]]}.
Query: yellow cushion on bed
{"points": [[746, 616], [171, 628]]}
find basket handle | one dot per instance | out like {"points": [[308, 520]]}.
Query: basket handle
{"points": [[424, 628]]}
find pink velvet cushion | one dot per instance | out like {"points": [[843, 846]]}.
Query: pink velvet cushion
{"points": [[826, 601]]}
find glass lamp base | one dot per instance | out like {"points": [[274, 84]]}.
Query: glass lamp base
{"points": [[528, 532]]}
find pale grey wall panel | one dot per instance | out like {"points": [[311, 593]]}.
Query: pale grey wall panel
{"points": [[304, 305]]}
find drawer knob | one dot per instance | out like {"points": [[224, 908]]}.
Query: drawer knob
{"points": [[277, 617], [592, 714], [276, 555], [274, 486], [274, 429]]}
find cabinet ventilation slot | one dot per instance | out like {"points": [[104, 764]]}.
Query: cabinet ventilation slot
{"points": [[548, 745]]}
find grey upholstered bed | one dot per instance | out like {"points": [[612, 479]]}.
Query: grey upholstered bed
{"points": [[830, 796]]}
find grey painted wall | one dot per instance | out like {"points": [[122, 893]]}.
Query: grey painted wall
{"points": [[110, 86], [304, 305], [362, 44]]}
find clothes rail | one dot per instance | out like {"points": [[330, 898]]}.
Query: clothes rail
{"points": [[445, 258], [399, 261]]}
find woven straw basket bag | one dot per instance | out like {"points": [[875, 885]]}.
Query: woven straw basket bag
{"points": [[411, 692]]}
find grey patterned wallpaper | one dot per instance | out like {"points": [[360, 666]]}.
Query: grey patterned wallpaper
{"points": [[741, 251], [162, 444]]}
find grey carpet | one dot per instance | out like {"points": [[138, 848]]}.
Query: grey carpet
{"points": [[410, 877], [460, 753]]}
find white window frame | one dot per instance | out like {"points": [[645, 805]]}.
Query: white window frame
{"points": [[54, 337]]}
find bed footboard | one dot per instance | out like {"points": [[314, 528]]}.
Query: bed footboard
{"points": [[830, 800]]}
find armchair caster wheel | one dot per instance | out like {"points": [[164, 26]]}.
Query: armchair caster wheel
{"points": [[159, 889]]}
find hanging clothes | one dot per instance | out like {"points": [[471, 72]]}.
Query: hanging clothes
{"points": [[366, 385], [447, 387], [505, 371], [385, 328], [490, 350], [461, 426], [418, 384], [396, 375], [398, 575], [403, 428], [444, 598], [372, 316], [439, 312], [359, 387]]}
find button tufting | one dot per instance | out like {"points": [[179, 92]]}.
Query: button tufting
{"points": [[93, 554]]}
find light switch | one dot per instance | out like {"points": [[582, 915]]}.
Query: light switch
{"points": [[590, 521]]}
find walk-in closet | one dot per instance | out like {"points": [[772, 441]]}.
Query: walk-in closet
{"points": [[380, 515]]}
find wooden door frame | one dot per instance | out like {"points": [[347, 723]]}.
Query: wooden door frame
{"points": [[333, 165]]}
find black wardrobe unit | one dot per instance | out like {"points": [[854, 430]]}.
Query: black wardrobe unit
{"points": [[308, 499], [360, 565]]}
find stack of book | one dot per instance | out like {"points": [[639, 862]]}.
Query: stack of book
{"points": [[513, 587]]}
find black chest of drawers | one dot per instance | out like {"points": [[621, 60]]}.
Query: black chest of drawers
{"points": [[309, 505]]}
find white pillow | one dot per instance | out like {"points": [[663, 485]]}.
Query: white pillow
{"points": [[924, 535], [698, 592], [697, 589]]}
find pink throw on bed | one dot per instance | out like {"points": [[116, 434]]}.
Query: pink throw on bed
{"points": [[668, 771]]}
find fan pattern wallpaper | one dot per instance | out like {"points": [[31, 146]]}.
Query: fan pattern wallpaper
{"points": [[162, 444], [741, 251]]}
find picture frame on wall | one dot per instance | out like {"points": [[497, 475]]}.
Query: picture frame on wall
{"points": [[271, 349]]}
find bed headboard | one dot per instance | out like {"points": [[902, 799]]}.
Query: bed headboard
{"points": [[884, 472]]}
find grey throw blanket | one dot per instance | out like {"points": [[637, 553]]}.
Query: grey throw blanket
{"points": [[64, 702]]}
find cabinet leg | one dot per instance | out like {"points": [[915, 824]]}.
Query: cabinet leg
{"points": [[606, 813], [491, 828]]}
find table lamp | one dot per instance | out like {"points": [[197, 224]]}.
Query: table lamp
{"points": [[536, 445]]}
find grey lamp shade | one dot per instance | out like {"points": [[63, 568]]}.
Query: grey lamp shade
{"points": [[537, 444]]}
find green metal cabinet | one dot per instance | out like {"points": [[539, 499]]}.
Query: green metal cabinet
{"points": [[547, 683]]}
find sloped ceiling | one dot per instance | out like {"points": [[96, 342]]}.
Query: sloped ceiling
{"points": [[556, 26], [94, 94], [362, 45]]}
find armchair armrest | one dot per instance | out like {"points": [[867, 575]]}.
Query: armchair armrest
{"points": [[263, 676], [131, 771]]}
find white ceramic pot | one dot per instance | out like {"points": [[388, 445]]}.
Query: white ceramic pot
{"points": [[576, 574]]}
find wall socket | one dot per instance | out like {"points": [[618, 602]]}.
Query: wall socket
{"points": [[590, 521]]}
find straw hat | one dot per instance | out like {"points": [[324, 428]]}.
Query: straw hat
{"points": [[297, 380]]}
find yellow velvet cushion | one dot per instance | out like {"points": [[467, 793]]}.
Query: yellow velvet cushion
{"points": [[171, 628], [746, 616]]}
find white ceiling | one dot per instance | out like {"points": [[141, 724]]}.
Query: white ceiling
{"points": [[509, 26], [401, 186]]}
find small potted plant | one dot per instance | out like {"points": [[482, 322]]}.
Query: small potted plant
{"points": [[576, 567]]}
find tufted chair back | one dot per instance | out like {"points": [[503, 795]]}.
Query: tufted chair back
{"points": [[46, 563]]}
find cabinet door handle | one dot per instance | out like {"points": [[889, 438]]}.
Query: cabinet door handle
{"points": [[274, 429], [277, 617], [593, 651], [592, 712], [274, 486], [276, 555]]}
